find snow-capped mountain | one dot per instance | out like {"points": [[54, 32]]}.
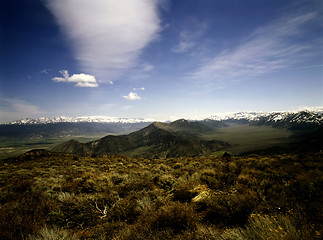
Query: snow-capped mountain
{"points": [[85, 119], [314, 117], [250, 116]]}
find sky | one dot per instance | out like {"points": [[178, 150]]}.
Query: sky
{"points": [[159, 59]]}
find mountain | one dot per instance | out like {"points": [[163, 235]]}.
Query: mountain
{"points": [[61, 127], [156, 140], [286, 119], [315, 116], [85, 119], [244, 131]]}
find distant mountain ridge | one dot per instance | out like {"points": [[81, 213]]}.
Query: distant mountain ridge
{"points": [[156, 140], [85, 119], [236, 133], [306, 116], [312, 117]]}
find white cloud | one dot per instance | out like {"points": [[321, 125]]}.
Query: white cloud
{"points": [[147, 67], [132, 96], [188, 39], [270, 48], [107, 35], [127, 107], [186, 42], [139, 89], [183, 46], [81, 80], [14, 109]]}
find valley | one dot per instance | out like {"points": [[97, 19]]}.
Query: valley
{"points": [[236, 133], [13, 148], [243, 178], [247, 138]]}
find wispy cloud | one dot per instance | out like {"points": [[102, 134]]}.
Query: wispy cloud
{"points": [[107, 36], [147, 67], [139, 89], [132, 96], [14, 109], [127, 107], [81, 80], [190, 39], [44, 71], [267, 49], [186, 42]]}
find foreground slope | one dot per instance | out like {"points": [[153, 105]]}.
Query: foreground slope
{"points": [[156, 140], [47, 195]]}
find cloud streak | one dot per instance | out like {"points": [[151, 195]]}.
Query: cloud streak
{"points": [[80, 80], [267, 49], [139, 89], [186, 42], [107, 36], [13, 109]]}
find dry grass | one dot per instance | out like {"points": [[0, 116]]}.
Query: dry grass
{"points": [[114, 197]]}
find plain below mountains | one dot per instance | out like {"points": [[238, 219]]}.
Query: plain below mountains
{"points": [[158, 140], [237, 133]]}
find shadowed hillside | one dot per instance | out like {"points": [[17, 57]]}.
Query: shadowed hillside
{"points": [[157, 140]]}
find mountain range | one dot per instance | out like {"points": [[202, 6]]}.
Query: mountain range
{"points": [[85, 119], [238, 133], [158, 140], [315, 117], [310, 117]]}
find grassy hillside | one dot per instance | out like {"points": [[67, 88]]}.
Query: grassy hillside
{"points": [[55, 196]]}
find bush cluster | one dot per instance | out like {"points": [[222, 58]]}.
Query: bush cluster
{"points": [[61, 196]]}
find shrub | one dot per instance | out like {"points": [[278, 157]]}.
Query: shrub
{"points": [[177, 217], [169, 222], [53, 233], [125, 209], [165, 181], [267, 227], [184, 192], [229, 209]]}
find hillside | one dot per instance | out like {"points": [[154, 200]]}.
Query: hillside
{"points": [[246, 132], [47, 195], [156, 140]]}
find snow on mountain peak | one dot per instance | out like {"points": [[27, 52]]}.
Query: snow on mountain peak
{"points": [[304, 116], [89, 119], [296, 117], [250, 116]]}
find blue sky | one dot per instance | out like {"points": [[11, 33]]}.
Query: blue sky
{"points": [[159, 59]]}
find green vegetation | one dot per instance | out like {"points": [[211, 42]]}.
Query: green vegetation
{"points": [[59, 196], [245, 137], [179, 138], [13, 148]]}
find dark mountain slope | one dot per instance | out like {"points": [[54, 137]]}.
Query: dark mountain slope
{"points": [[73, 147], [184, 125], [156, 140]]}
